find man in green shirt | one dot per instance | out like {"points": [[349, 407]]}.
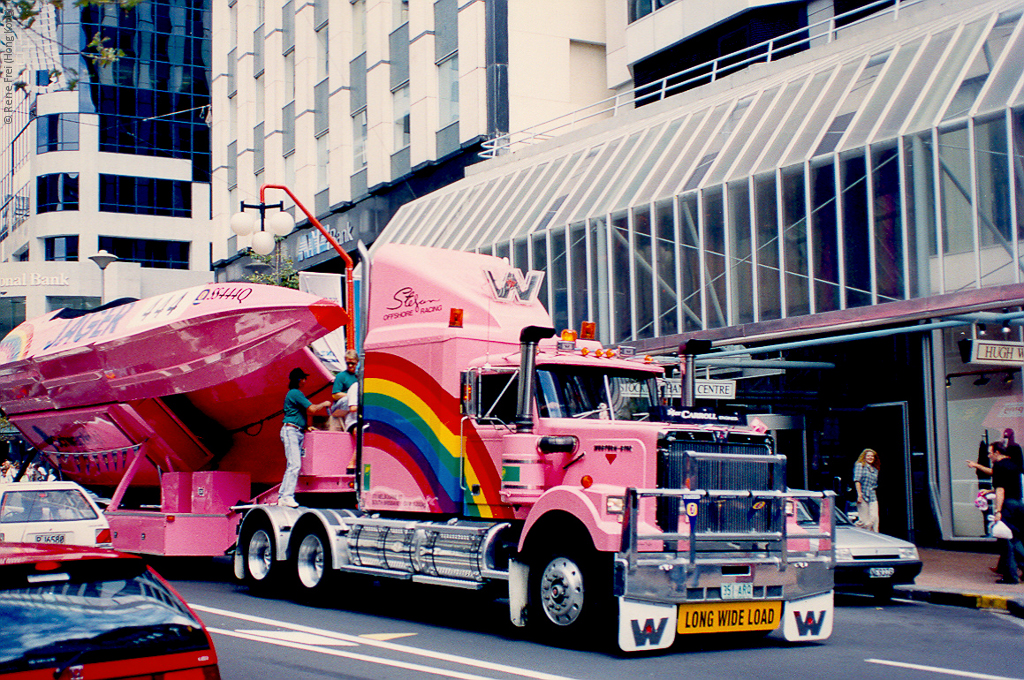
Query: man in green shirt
{"points": [[297, 409], [343, 413]]}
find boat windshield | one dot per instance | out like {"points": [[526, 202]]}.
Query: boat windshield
{"points": [[595, 392]]}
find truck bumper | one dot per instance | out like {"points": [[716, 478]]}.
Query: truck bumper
{"points": [[663, 595]]}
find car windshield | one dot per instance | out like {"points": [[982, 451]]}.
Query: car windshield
{"points": [[807, 514], [105, 614], [45, 505], [584, 392]]}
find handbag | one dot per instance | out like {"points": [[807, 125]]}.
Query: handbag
{"points": [[1001, 530]]}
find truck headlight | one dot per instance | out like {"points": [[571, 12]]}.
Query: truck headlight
{"points": [[615, 505]]}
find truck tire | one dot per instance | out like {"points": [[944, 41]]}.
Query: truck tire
{"points": [[257, 546], [568, 597], [312, 560]]}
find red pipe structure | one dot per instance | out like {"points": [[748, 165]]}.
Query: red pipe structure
{"points": [[350, 341]]}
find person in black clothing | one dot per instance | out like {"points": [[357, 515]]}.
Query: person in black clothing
{"points": [[1013, 449], [1006, 480]]}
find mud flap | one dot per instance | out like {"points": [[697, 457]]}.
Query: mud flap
{"points": [[239, 563], [518, 583], [644, 626], [808, 619]]}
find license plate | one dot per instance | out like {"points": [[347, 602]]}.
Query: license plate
{"points": [[737, 591], [726, 617], [51, 538], [881, 572]]}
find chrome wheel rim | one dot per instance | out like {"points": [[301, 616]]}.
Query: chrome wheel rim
{"points": [[258, 555], [310, 561], [561, 591]]}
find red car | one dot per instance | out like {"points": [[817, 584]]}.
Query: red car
{"points": [[79, 613]]}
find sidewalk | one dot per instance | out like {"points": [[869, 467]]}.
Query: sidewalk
{"points": [[963, 579]]}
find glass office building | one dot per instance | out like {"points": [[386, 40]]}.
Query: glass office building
{"points": [[864, 195]]}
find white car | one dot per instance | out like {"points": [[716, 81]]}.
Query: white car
{"points": [[866, 561], [52, 513]]}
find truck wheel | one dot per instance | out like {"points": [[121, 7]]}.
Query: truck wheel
{"points": [[312, 560], [257, 545], [567, 596]]}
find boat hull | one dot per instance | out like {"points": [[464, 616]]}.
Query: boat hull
{"points": [[194, 380]]}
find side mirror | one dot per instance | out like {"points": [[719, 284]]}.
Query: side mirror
{"points": [[470, 394]]}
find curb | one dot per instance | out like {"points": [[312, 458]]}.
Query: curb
{"points": [[1013, 605]]}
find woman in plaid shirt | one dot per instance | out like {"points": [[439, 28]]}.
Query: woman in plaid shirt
{"points": [[865, 480]]}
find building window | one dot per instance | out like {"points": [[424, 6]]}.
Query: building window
{"points": [[288, 129], [323, 53], [153, 100], [402, 117], [641, 8], [145, 196], [12, 314], [358, 26], [57, 132], [61, 248], [149, 253], [448, 90], [287, 27], [55, 302], [359, 133], [258, 143], [57, 192], [400, 11], [323, 159]]}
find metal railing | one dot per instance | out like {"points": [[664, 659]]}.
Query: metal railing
{"points": [[773, 49]]}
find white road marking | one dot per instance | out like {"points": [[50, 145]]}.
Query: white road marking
{"points": [[419, 668], [300, 637], [941, 671], [382, 644], [385, 636]]}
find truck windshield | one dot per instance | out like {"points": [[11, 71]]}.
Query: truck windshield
{"points": [[584, 392]]}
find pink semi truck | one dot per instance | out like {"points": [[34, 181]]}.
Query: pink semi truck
{"points": [[490, 450]]}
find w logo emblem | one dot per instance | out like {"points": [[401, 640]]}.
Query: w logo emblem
{"points": [[649, 634], [514, 286], [808, 625]]}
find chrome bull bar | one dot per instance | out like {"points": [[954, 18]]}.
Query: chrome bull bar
{"points": [[785, 562]]}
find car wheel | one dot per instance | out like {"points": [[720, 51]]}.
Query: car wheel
{"points": [[257, 546]]}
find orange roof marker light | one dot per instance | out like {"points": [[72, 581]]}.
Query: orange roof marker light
{"points": [[588, 330], [567, 341]]}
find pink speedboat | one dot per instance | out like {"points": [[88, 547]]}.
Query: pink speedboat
{"points": [[198, 376]]}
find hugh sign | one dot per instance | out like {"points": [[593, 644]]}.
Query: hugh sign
{"points": [[1003, 353]]}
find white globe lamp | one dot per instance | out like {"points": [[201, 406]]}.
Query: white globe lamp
{"points": [[242, 224], [263, 242], [281, 223]]}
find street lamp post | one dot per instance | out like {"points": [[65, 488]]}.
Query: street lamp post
{"points": [[103, 260]]}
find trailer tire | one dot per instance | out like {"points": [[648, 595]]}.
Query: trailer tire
{"points": [[312, 562], [257, 546], [568, 598]]}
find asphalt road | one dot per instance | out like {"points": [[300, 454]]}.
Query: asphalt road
{"points": [[403, 631]]}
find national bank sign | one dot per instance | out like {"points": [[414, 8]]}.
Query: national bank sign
{"points": [[312, 243], [34, 279]]}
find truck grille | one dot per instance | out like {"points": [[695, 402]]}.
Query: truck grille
{"points": [[721, 462]]}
